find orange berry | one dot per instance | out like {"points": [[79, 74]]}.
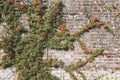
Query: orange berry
{"points": [[9, 26], [3, 37], [35, 2], [50, 59], [19, 79], [62, 27], [85, 28], [22, 5], [90, 60], [17, 29], [95, 17], [59, 62], [38, 18], [118, 67], [44, 33], [6, 55], [106, 53], [10, 1], [94, 52], [86, 51], [98, 24], [91, 24], [105, 26]]}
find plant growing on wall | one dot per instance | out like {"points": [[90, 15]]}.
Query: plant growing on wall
{"points": [[46, 30]]}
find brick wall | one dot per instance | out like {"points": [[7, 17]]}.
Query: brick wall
{"points": [[76, 14]]}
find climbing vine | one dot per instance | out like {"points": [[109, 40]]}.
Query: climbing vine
{"points": [[94, 22], [47, 29], [25, 53]]}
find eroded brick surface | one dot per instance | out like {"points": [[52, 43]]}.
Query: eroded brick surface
{"points": [[76, 14]]}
